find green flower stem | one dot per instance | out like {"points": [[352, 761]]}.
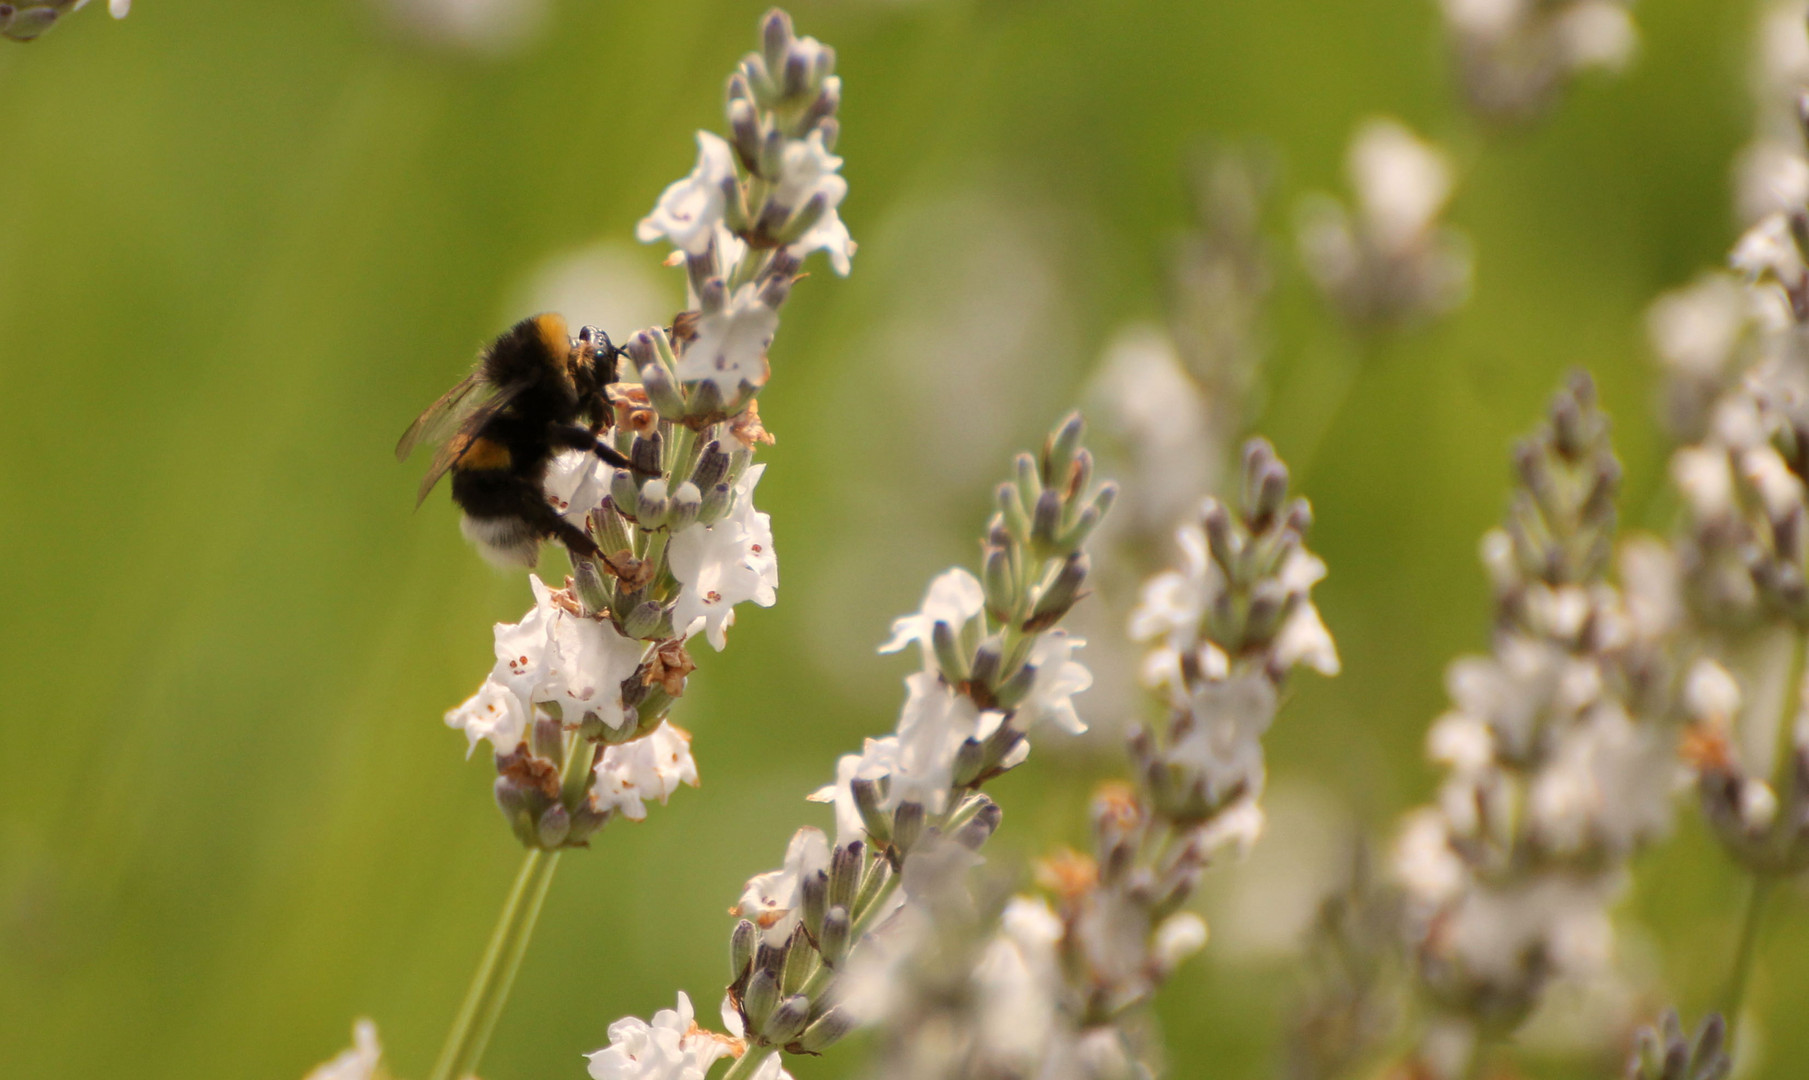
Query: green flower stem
{"points": [[489, 991], [1744, 954], [748, 1062]]}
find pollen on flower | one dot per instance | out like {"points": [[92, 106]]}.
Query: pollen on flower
{"points": [[1068, 874]]}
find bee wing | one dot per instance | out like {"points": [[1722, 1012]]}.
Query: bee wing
{"points": [[454, 447], [440, 418]]}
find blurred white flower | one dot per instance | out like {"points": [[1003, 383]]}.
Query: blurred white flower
{"points": [[1401, 182], [650, 767], [482, 27], [357, 1063], [672, 1047], [1597, 34], [689, 210], [1058, 678], [724, 564], [934, 723], [1697, 329], [1390, 262]]}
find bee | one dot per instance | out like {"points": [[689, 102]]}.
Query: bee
{"points": [[535, 392]]}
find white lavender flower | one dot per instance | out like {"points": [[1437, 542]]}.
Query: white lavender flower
{"points": [[1390, 262], [671, 1047], [731, 343], [724, 564], [652, 767], [690, 210], [772, 900], [1554, 779], [555, 656]]}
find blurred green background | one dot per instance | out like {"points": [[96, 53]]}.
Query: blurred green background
{"points": [[245, 243]]}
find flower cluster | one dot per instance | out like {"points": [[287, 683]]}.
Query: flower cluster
{"points": [[908, 807], [31, 18], [575, 705], [1555, 774], [1052, 988], [1227, 629], [1736, 351], [1514, 57], [1389, 263]]}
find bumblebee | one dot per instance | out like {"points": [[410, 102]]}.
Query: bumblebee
{"points": [[535, 392]]}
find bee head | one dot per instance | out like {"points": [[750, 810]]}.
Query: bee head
{"points": [[594, 360]]}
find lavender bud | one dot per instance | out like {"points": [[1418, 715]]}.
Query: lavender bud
{"points": [[587, 582], [867, 800], [977, 830], [948, 652], [548, 737], [999, 583], [1015, 520], [644, 621], [509, 798], [1046, 519], [804, 220], [1220, 537], [828, 100], [683, 507], [1059, 450], [1061, 593], [652, 507], [878, 873], [1007, 694], [845, 872], [772, 153], [815, 888], [829, 127], [741, 948], [794, 79], [776, 38], [907, 825], [712, 466], [716, 503], [800, 962], [828, 1030], [644, 454], [641, 350], [987, 659], [838, 928], [775, 290], [586, 819], [663, 392], [788, 1020], [744, 130], [554, 824], [761, 998], [970, 761]]}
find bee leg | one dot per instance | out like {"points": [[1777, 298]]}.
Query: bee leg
{"points": [[578, 437], [576, 540]]}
